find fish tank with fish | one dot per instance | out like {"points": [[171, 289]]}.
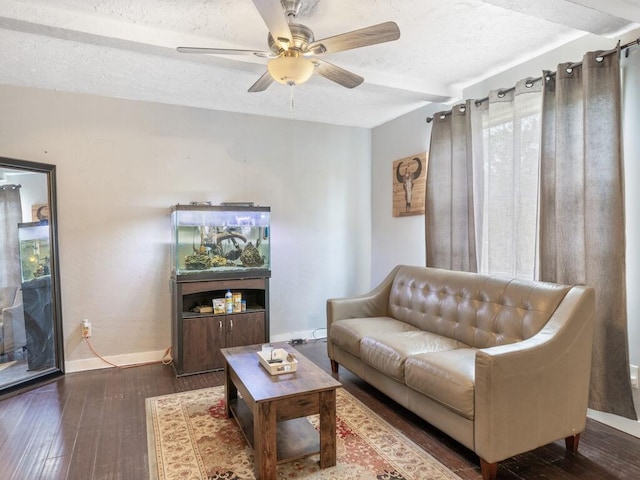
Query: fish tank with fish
{"points": [[35, 260], [220, 241]]}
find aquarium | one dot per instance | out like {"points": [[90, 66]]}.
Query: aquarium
{"points": [[220, 241], [35, 258]]}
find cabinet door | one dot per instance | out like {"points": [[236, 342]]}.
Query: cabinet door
{"points": [[245, 329], [203, 339]]}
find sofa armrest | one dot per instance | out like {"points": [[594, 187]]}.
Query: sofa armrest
{"points": [[372, 304], [534, 392]]}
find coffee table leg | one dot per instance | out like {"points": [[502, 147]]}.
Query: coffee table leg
{"points": [[327, 429], [230, 390], [264, 439]]}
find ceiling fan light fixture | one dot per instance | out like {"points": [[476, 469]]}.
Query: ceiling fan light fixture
{"points": [[290, 70], [293, 48]]}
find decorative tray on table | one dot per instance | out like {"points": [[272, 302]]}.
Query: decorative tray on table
{"points": [[278, 361]]}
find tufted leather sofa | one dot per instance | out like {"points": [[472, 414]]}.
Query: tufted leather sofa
{"points": [[500, 365]]}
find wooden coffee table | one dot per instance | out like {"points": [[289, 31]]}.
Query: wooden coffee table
{"points": [[271, 409]]}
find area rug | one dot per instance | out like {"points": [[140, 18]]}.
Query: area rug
{"points": [[189, 437]]}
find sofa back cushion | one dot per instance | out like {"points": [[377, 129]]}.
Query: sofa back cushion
{"points": [[475, 309]]}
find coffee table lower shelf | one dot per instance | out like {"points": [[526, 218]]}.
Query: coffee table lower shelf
{"points": [[295, 438]]}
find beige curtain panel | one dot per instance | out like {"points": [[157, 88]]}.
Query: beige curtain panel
{"points": [[449, 214], [582, 221]]}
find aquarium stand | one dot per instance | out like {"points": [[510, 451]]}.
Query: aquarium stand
{"points": [[198, 337]]}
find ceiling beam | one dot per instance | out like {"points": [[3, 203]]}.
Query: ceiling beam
{"points": [[617, 8], [605, 18]]}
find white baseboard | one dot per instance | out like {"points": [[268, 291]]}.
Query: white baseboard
{"points": [[120, 360], [632, 427], [95, 363], [305, 335]]}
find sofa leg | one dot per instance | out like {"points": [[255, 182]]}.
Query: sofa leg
{"points": [[489, 470], [334, 367], [572, 443]]}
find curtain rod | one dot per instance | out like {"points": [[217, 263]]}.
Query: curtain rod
{"points": [[10, 186], [532, 81]]}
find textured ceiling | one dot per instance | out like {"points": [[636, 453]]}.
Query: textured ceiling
{"points": [[126, 49]]}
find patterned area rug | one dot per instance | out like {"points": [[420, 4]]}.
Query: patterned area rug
{"points": [[190, 438]]}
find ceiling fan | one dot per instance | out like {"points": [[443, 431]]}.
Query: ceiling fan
{"points": [[293, 49]]}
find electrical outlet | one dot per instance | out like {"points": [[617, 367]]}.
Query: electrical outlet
{"points": [[86, 328], [634, 375]]}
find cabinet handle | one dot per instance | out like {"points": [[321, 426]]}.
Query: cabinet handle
{"points": [[231, 326], [220, 331]]}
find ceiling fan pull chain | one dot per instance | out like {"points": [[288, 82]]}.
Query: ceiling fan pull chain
{"points": [[291, 87]]}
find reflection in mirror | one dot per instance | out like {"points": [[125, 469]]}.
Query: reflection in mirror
{"points": [[30, 321]]}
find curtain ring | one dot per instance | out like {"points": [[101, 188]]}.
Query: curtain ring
{"points": [[569, 69], [529, 84], [500, 94], [462, 108], [599, 58]]}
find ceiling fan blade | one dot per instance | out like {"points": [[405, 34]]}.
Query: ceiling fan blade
{"points": [[275, 20], [336, 74], [224, 51], [262, 83], [383, 32]]}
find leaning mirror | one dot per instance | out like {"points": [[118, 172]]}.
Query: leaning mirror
{"points": [[30, 318]]}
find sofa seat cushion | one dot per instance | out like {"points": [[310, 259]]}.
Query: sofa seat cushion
{"points": [[388, 352], [348, 333], [447, 377]]}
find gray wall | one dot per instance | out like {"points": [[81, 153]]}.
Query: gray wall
{"points": [[121, 164], [396, 240]]}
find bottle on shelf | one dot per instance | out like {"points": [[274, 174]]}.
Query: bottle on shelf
{"points": [[228, 301], [237, 302]]}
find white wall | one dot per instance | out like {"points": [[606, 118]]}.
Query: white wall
{"points": [[120, 166]]}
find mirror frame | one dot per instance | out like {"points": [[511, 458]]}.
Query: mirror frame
{"points": [[56, 297]]}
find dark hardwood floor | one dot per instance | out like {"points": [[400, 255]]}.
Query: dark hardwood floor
{"points": [[91, 425]]}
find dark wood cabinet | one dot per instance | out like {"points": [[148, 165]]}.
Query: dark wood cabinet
{"points": [[198, 337]]}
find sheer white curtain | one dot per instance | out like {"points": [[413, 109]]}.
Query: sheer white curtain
{"points": [[506, 132]]}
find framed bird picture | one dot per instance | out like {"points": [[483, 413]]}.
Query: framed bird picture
{"points": [[409, 185]]}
